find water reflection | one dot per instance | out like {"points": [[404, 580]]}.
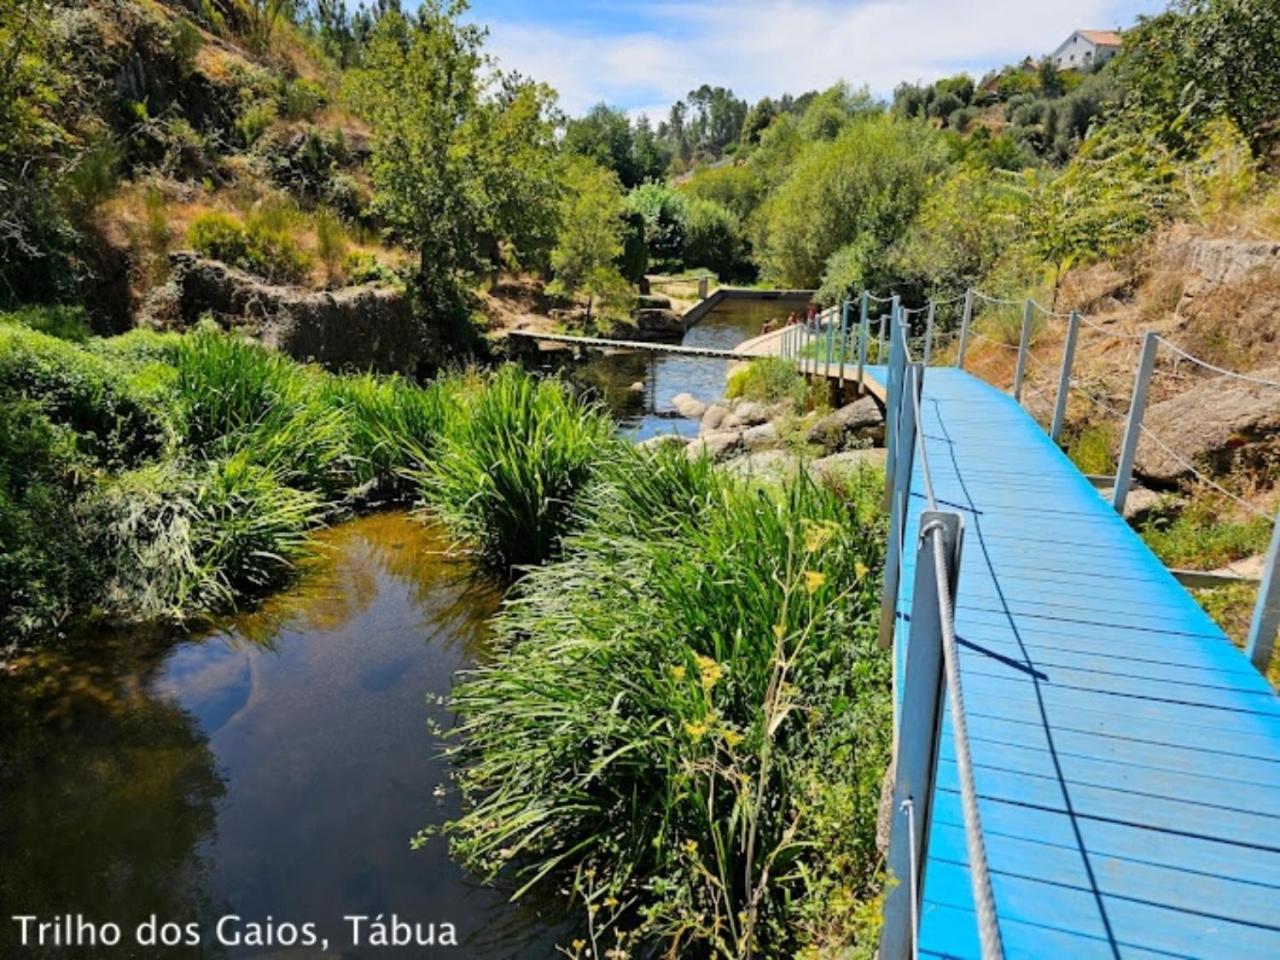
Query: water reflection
{"points": [[276, 766]]}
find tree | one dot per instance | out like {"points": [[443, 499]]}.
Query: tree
{"points": [[1201, 60], [590, 239], [757, 120], [649, 155], [863, 187], [663, 209], [713, 239], [454, 170], [604, 135]]}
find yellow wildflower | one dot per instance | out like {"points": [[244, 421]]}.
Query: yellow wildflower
{"points": [[860, 569], [696, 730], [710, 670], [731, 737], [691, 847], [813, 580], [779, 630], [678, 672], [816, 535]]}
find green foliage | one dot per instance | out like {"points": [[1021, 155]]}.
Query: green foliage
{"points": [[965, 224], [1092, 446], [513, 452], [1223, 175], [331, 243], [863, 187], [1202, 60], [302, 98], [606, 136], [664, 209], [735, 187], [57, 320], [1202, 537], [113, 419], [44, 571], [713, 239], [590, 238], [685, 720], [1119, 186], [258, 246], [770, 380], [455, 171]]}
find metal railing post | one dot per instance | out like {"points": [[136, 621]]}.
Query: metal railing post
{"points": [[864, 338], [1133, 428], [1064, 378], [898, 492], [893, 402], [928, 332], [893, 317], [831, 342], [844, 341], [918, 734], [965, 321], [1024, 344], [1266, 611]]}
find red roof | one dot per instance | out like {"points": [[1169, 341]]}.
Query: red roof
{"points": [[1101, 38]]}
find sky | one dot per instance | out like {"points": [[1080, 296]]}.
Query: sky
{"points": [[642, 56]]}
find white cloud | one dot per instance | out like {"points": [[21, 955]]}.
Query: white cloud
{"points": [[760, 47]]}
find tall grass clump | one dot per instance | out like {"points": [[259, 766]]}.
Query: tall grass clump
{"points": [[686, 719], [1203, 535], [513, 452], [393, 423], [771, 380], [235, 396]]}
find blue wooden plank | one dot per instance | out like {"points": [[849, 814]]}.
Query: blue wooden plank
{"points": [[1114, 728]]}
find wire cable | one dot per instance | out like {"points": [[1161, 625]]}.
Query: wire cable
{"points": [[1262, 381]]}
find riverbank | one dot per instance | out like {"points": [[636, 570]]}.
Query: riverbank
{"points": [[194, 472]]}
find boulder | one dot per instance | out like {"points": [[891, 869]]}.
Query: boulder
{"points": [[712, 419], [717, 446], [662, 441], [688, 406], [764, 464], [760, 437], [860, 420], [745, 413], [650, 323], [1213, 263], [1217, 425], [1139, 503], [368, 327], [843, 464]]}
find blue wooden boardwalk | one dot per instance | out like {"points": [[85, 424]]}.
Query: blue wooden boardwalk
{"points": [[1127, 755]]}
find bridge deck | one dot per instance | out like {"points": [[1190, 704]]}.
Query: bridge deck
{"points": [[1127, 754]]}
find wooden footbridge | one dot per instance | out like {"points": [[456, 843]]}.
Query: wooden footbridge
{"points": [[1085, 765]]}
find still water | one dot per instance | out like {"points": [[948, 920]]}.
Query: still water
{"points": [[277, 766], [648, 411]]}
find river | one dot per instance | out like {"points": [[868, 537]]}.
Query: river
{"points": [[276, 766], [648, 410]]}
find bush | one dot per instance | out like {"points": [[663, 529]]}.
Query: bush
{"points": [[302, 98], [686, 720], [1201, 535], [713, 239], [771, 380], [57, 320], [186, 540], [664, 209], [44, 570], [257, 247], [255, 119], [115, 421], [513, 452]]}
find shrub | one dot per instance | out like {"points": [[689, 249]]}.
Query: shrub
{"points": [[513, 452], [331, 243], [185, 540], [769, 380], [1202, 536], [114, 421], [255, 119], [44, 570], [685, 720], [258, 247], [302, 97], [713, 239], [57, 320]]}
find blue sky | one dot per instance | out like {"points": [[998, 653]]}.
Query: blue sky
{"points": [[642, 56]]}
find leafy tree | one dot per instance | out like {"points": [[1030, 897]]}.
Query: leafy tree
{"points": [[590, 240], [829, 111], [757, 120], [735, 187], [864, 187], [713, 238], [663, 208], [1204, 59], [454, 170], [649, 155], [604, 135]]}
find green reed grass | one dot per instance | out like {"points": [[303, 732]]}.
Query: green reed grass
{"points": [[685, 720], [513, 452]]}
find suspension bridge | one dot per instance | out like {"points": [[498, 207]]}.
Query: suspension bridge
{"points": [[1085, 764]]}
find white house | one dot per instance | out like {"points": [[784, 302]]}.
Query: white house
{"points": [[1084, 48]]}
